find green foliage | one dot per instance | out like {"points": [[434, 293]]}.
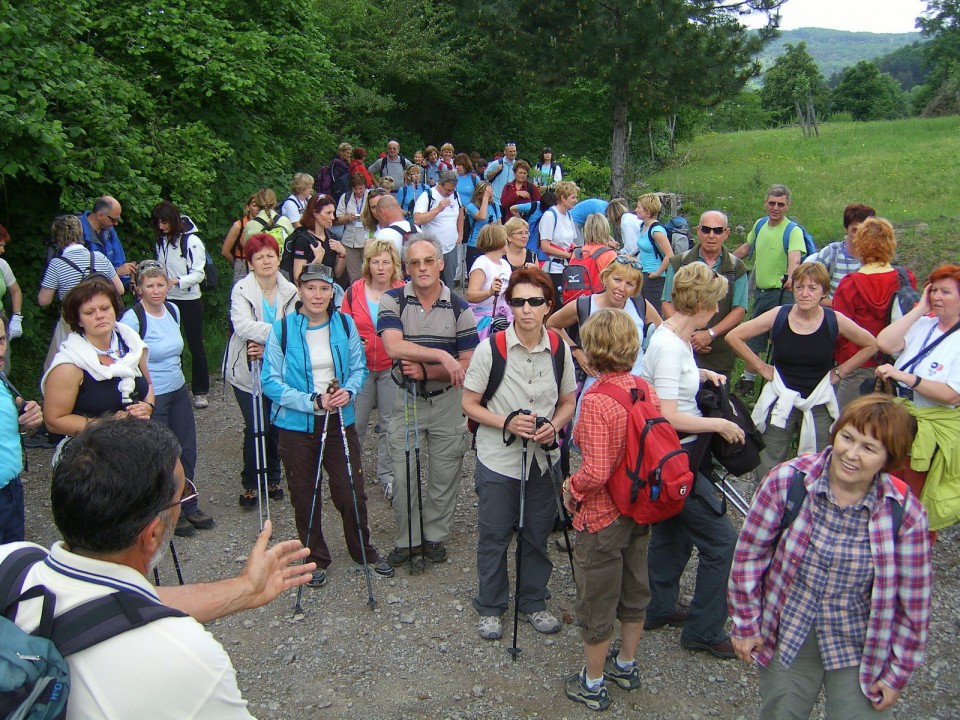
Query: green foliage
{"points": [[941, 23], [869, 94], [743, 111], [904, 168], [905, 65], [793, 77], [834, 50], [592, 178]]}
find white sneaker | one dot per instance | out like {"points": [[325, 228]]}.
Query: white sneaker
{"points": [[490, 627], [543, 622], [200, 401], [388, 490]]}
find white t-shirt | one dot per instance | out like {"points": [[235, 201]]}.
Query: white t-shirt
{"points": [[444, 226], [393, 235], [669, 365], [630, 227], [292, 208], [321, 358], [941, 365], [491, 271], [558, 229]]}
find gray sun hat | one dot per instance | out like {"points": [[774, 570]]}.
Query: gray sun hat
{"points": [[315, 271]]}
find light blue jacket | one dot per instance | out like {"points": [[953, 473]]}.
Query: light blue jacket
{"points": [[288, 377]]}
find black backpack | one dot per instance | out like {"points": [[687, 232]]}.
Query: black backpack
{"points": [[717, 402], [141, 314], [211, 277], [905, 298], [35, 678]]}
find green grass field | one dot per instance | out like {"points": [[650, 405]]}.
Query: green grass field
{"points": [[906, 169]]}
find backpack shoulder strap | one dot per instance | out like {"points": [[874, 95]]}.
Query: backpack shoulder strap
{"points": [[781, 320], [617, 393], [583, 309], [93, 622], [348, 298], [556, 351], [757, 225], [498, 364], [796, 494], [13, 571], [283, 336], [830, 315], [896, 507], [141, 314], [343, 321], [172, 309], [786, 234], [598, 253], [902, 276]]}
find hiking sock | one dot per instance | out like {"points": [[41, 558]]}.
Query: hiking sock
{"points": [[590, 683], [629, 665], [749, 375]]}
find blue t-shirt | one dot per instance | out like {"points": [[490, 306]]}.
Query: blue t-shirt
{"points": [[647, 256], [466, 184], [269, 312], [11, 459], [493, 212], [585, 208], [166, 345], [374, 308], [533, 242]]}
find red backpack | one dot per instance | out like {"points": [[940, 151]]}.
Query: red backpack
{"points": [[582, 276], [655, 476]]}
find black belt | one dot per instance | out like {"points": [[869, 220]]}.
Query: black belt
{"points": [[428, 395]]}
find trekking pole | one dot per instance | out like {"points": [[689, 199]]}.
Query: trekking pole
{"points": [[514, 650], [298, 608], [416, 452], [176, 562], [406, 453], [557, 493], [783, 284], [371, 601], [260, 444]]}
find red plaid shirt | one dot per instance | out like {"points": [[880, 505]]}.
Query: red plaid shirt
{"points": [[601, 435], [763, 574]]}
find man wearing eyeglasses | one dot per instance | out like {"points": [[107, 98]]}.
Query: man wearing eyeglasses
{"points": [[430, 334], [710, 349], [100, 233], [114, 501], [500, 172], [773, 267]]}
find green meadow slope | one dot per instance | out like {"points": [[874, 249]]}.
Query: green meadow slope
{"points": [[906, 169]]}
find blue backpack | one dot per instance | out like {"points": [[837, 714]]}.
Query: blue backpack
{"points": [[810, 247]]}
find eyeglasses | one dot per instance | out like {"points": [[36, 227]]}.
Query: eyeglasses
{"points": [[191, 494], [518, 302], [776, 204], [624, 260], [108, 216], [707, 229], [425, 262]]}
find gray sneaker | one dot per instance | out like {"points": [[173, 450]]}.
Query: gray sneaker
{"points": [[490, 627], [577, 690], [543, 622], [628, 679]]}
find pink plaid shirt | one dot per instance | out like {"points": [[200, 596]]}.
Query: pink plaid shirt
{"points": [[601, 435], [763, 575]]}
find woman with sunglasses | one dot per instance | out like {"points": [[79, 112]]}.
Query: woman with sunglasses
{"points": [[312, 241], [529, 383], [488, 280], [622, 282], [157, 321]]}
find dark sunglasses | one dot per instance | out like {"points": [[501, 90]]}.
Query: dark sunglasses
{"points": [[518, 302], [108, 216], [707, 229], [624, 260]]}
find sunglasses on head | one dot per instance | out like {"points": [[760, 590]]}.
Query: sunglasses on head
{"points": [[518, 302], [624, 260], [707, 229]]}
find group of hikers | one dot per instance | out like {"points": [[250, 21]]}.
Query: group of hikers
{"points": [[551, 348]]}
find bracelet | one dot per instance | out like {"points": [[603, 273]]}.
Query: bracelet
{"points": [[916, 382], [839, 374], [574, 348], [147, 402]]}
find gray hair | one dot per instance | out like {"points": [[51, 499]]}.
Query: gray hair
{"points": [[726, 220], [422, 237], [447, 176], [779, 191], [66, 230]]}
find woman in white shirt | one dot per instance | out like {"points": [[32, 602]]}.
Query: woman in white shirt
{"points": [[488, 280], [558, 234]]}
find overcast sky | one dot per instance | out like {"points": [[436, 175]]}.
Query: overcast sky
{"points": [[879, 16]]}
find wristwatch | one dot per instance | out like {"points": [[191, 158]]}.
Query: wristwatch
{"points": [[712, 334]]}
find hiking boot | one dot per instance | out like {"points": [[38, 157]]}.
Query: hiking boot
{"points": [[627, 678], [435, 551], [399, 556], [248, 498], [561, 542], [577, 690], [674, 619], [722, 649], [543, 622], [275, 492], [318, 579], [200, 401], [490, 627], [381, 567], [199, 519], [39, 440], [184, 528], [745, 386]]}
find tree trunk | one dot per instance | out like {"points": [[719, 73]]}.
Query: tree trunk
{"points": [[618, 147], [672, 128], [803, 120]]}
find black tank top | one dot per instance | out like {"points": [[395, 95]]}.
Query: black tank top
{"points": [[96, 397], [803, 360]]}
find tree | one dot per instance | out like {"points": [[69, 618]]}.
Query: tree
{"points": [[868, 94], [649, 59], [793, 78], [941, 23]]}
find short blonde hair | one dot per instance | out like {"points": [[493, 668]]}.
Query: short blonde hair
{"points": [[66, 230], [625, 270], [611, 341], [651, 203], [813, 271], [697, 287], [301, 181], [596, 230], [446, 146], [565, 189], [875, 241], [514, 224], [491, 237], [378, 247]]}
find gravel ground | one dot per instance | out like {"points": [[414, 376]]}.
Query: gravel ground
{"points": [[417, 655]]}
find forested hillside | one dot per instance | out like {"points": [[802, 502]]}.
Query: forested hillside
{"points": [[833, 50]]}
